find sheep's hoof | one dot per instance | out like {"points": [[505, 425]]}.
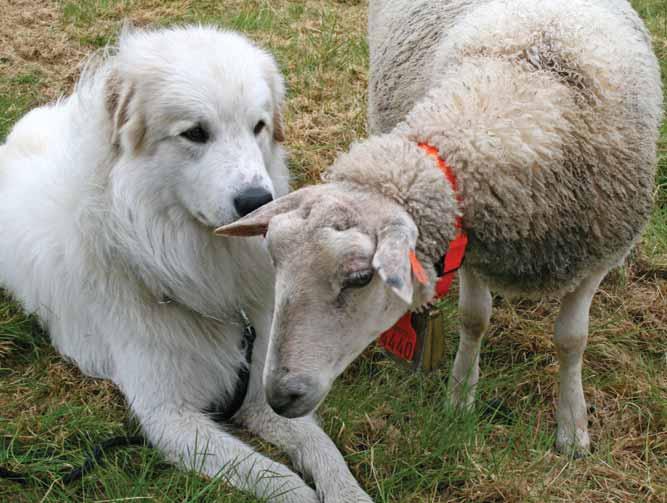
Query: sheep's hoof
{"points": [[461, 397], [461, 404], [575, 445]]}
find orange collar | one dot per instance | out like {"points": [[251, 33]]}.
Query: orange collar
{"points": [[453, 257], [444, 167], [401, 339]]}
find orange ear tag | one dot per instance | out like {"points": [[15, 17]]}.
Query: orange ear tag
{"points": [[417, 268], [401, 339]]}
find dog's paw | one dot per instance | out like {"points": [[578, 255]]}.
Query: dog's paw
{"points": [[350, 495], [301, 495]]}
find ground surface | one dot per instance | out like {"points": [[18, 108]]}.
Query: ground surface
{"points": [[398, 437]]}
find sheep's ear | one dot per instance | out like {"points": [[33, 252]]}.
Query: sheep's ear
{"points": [[257, 222], [395, 242], [121, 107]]}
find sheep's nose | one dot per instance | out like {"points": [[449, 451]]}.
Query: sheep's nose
{"points": [[251, 199], [293, 396]]}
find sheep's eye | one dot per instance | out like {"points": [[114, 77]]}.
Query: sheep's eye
{"points": [[196, 134], [259, 127], [358, 279]]}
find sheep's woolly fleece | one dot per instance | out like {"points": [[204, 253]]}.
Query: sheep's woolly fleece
{"points": [[550, 122]]}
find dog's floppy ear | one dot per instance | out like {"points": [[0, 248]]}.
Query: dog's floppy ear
{"points": [[257, 222], [278, 133], [277, 85], [120, 101]]}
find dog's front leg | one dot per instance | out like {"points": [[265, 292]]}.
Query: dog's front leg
{"points": [[311, 450], [191, 439]]}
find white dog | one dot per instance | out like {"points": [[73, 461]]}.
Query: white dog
{"points": [[108, 199]]}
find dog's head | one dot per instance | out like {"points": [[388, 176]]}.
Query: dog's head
{"points": [[194, 119]]}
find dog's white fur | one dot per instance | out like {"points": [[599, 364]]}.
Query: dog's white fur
{"points": [[106, 214]]}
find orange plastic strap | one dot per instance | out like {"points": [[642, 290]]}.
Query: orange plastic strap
{"points": [[453, 260], [442, 164], [457, 248]]}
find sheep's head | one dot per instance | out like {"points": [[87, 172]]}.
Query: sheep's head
{"points": [[343, 276]]}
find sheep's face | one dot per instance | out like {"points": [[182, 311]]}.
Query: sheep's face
{"points": [[342, 278]]}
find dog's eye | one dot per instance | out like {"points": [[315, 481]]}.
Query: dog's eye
{"points": [[196, 134], [358, 279], [259, 127]]}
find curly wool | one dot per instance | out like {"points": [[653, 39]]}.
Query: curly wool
{"points": [[408, 177], [548, 116]]}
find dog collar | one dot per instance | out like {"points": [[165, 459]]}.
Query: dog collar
{"points": [[401, 339], [227, 408]]}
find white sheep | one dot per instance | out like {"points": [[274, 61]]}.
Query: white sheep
{"points": [[547, 113]]}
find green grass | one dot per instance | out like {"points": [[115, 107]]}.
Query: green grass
{"points": [[401, 440], [17, 94]]}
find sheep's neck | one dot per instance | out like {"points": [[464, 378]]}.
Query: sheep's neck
{"points": [[396, 168], [450, 220], [448, 173], [453, 256]]}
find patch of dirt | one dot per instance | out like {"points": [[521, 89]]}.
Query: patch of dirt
{"points": [[32, 42], [36, 40]]}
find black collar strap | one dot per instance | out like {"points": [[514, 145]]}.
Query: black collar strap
{"points": [[224, 410]]}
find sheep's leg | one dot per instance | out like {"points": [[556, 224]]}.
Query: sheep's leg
{"points": [[474, 313], [571, 335]]}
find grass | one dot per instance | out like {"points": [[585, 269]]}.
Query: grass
{"points": [[17, 94], [401, 441]]}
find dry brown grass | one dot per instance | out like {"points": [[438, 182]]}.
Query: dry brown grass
{"points": [[31, 43]]}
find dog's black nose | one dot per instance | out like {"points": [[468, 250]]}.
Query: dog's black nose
{"points": [[251, 199]]}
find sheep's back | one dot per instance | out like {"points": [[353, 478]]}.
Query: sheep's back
{"points": [[403, 37], [550, 117]]}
